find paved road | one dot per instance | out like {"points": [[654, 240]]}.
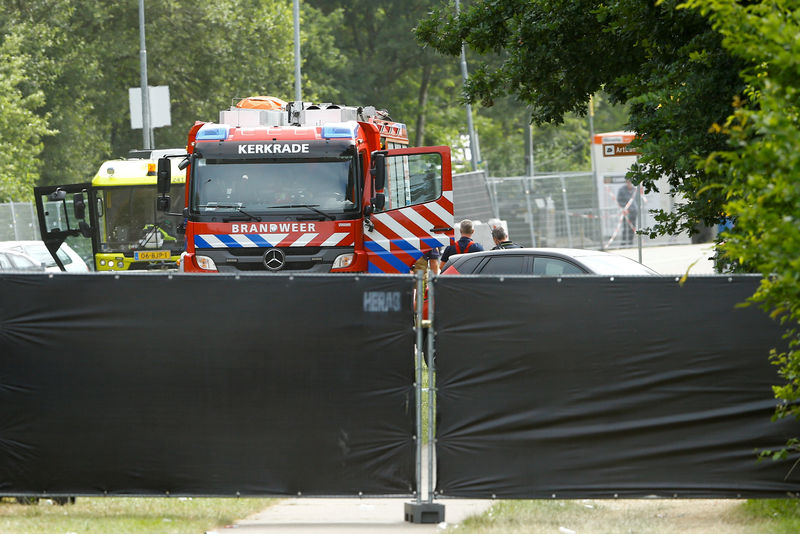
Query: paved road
{"points": [[301, 516], [378, 515]]}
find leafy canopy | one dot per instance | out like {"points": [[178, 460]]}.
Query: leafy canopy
{"points": [[21, 129], [758, 174], [667, 65]]}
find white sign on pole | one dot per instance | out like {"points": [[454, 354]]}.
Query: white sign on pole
{"points": [[159, 106]]}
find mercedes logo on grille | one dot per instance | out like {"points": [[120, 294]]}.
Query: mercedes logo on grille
{"points": [[274, 259]]}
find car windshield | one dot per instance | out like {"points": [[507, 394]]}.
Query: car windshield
{"points": [[10, 262], [129, 220], [614, 264], [39, 252], [273, 186]]}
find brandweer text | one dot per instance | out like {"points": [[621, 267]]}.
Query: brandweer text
{"points": [[272, 227]]}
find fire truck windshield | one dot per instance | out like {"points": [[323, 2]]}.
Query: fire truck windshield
{"points": [[129, 220], [272, 186]]}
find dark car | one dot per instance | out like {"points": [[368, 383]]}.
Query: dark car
{"points": [[545, 262]]}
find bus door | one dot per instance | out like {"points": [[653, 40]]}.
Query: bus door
{"points": [[68, 213]]}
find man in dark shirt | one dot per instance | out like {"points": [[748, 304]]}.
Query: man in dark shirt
{"points": [[501, 240], [465, 243]]}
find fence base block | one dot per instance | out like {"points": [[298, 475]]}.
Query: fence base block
{"points": [[424, 512]]}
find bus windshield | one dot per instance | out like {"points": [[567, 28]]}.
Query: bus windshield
{"points": [[272, 186], [129, 220]]}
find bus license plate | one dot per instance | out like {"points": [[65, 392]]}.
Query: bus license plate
{"points": [[146, 255]]}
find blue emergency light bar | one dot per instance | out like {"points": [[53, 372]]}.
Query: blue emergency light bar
{"points": [[339, 130], [212, 132]]}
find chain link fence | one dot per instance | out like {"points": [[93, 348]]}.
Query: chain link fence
{"points": [[549, 210], [18, 221], [573, 210]]}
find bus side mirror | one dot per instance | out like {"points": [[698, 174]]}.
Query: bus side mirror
{"points": [[85, 229], [164, 175], [78, 206], [58, 194]]}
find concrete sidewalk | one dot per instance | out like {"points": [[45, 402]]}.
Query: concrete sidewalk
{"points": [[308, 515]]}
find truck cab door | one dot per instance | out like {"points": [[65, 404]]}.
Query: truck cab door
{"points": [[68, 213], [413, 212]]}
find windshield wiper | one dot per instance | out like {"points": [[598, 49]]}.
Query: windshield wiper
{"points": [[312, 207], [250, 217]]}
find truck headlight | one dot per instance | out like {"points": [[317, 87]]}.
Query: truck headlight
{"points": [[343, 260], [205, 263]]}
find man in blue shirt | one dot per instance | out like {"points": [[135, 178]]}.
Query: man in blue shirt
{"points": [[465, 243]]}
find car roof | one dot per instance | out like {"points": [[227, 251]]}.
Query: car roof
{"points": [[578, 255], [563, 252]]}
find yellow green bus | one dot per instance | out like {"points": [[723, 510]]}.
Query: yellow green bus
{"points": [[119, 215]]}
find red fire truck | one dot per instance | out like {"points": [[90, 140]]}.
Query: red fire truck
{"points": [[297, 187]]}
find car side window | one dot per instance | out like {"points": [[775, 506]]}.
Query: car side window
{"points": [[469, 265], [505, 264], [554, 267]]}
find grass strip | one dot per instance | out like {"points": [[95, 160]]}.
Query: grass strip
{"points": [[127, 515], [640, 516]]}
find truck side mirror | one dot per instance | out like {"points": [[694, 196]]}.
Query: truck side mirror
{"points": [[58, 194], [379, 175], [379, 170], [78, 206], [164, 175]]}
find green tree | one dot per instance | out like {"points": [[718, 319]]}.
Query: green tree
{"points": [[385, 67], [758, 174], [63, 70], [83, 58], [557, 148], [667, 65], [21, 128]]}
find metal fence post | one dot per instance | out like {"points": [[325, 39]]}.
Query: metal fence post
{"points": [[14, 221], [418, 511], [527, 189], [566, 209], [431, 390], [418, 314]]}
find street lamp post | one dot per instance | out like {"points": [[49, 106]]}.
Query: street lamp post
{"points": [[298, 96], [475, 151], [147, 130]]}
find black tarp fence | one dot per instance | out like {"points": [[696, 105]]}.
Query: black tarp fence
{"points": [[206, 385], [586, 387], [284, 385]]}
